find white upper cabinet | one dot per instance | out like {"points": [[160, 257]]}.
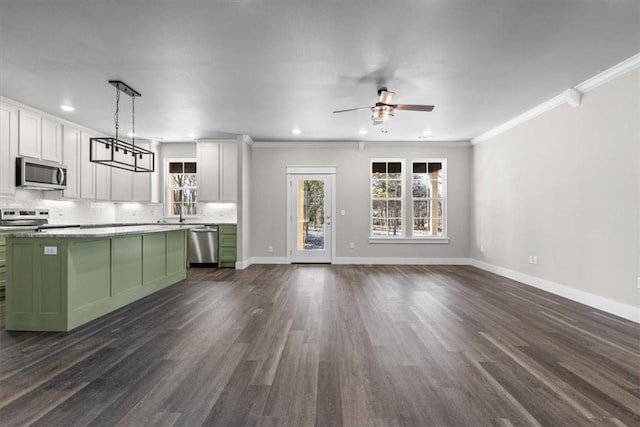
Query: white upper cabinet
{"points": [[121, 180], [71, 140], [228, 172], [142, 180], [131, 186], [8, 148], [208, 164], [51, 148], [87, 169], [39, 137], [103, 182], [29, 134], [217, 171]]}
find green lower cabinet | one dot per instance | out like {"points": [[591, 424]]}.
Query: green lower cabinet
{"points": [[3, 268], [58, 284], [227, 245]]}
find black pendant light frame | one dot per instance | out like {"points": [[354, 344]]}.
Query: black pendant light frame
{"points": [[103, 149]]}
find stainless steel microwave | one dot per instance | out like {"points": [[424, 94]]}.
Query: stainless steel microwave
{"points": [[40, 174]]}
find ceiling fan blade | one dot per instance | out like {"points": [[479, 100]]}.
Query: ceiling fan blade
{"points": [[409, 107], [385, 96], [353, 109]]}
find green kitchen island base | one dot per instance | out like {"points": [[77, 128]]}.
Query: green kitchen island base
{"points": [[58, 282]]}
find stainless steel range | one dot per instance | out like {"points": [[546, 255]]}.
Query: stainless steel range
{"points": [[10, 217]]}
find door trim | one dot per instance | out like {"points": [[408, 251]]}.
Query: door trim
{"points": [[330, 172]]}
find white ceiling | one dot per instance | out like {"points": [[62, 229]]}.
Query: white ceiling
{"points": [[263, 68]]}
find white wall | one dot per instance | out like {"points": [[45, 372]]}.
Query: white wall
{"points": [[268, 197], [565, 188]]}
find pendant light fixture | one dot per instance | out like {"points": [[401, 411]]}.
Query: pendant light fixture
{"points": [[117, 153]]}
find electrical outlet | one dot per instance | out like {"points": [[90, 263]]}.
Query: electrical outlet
{"points": [[638, 282], [535, 259], [352, 245], [270, 249], [51, 250], [343, 212], [481, 248]]}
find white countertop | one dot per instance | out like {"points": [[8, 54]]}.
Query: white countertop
{"points": [[97, 232]]}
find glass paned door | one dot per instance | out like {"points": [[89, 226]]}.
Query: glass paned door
{"points": [[310, 218]]}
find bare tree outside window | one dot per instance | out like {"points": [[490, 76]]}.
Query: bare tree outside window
{"points": [[181, 189]]}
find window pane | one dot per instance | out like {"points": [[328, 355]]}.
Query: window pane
{"points": [[189, 209], [394, 189], [395, 208], [420, 227], [379, 209], [189, 195], [379, 167], [435, 167], [420, 167], [190, 167], [176, 195], [379, 189], [420, 209], [395, 226], [175, 209], [395, 170], [420, 184], [189, 180], [175, 167]]}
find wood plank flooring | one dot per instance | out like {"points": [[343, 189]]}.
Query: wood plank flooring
{"points": [[304, 345]]}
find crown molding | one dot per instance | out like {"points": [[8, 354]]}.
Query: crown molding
{"points": [[584, 87], [360, 145]]}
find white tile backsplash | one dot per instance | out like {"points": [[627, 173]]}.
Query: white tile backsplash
{"points": [[88, 212]]}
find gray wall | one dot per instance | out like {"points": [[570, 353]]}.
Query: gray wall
{"points": [[268, 197], [565, 187]]}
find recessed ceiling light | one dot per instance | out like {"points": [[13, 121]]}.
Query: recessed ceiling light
{"points": [[363, 132], [192, 134], [428, 132], [131, 134], [67, 108], [296, 131]]}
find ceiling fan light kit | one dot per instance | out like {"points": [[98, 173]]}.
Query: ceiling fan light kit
{"points": [[117, 153], [384, 109]]}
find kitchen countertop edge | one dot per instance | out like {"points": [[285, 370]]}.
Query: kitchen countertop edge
{"points": [[98, 232]]}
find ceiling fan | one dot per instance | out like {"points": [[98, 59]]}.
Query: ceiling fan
{"points": [[384, 110]]}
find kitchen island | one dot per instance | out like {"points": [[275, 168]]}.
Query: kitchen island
{"points": [[60, 279]]}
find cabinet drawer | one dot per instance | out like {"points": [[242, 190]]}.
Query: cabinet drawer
{"points": [[227, 241], [227, 229], [227, 254]]}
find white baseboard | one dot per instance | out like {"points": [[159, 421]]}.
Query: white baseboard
{"points": [[264, 260], [401, 261], [596, 301]]}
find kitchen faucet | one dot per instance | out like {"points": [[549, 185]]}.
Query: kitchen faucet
{"points": [[181, 217]]}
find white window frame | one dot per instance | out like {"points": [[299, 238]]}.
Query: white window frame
{"points": [[444, 195], [403, 180], [407, 204], [165, 185]]}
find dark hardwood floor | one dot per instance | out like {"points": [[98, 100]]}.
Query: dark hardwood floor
{"points": [[330, 345]]}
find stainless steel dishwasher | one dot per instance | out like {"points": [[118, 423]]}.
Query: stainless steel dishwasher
{"points": [[203, 245]]}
